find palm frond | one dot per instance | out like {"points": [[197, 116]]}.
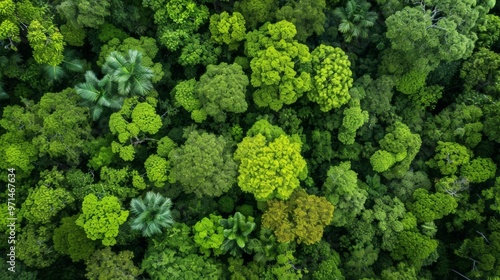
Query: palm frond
{"points": [[53, 73], [75, 65]]}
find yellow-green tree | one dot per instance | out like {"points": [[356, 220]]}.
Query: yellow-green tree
{"points": [[302, 218], [270, 168]]}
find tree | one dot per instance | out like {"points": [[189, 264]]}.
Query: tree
{"points": [[355, 19], [203, 165], [43, 203], [341, 190], [105, 264], [158, 169], [353, 119], [257, 12], [101, 218], [34, 248], [429, 207], [86, 13], [270, 168], [480, 72], [55, 127], [276, 65], [488, 30], [307, 15], [398, 146], [414, 247], [47, 43], [301, 218], [174, 255], [70, 239], [151, 214], [98, 94], [209, 235], [222, 89], [449, 156], [479, 170], [129, 73], [236, 231], [227, 29], [332, 77]]}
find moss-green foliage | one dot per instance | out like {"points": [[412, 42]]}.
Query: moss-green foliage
{"points": [[43, 203], [70, 239], [308, 16], [332, 77], [222, 89], [174, 256], [341, 189], [101, 218], [236, 230], [301, 218], [270, 169], [353, 119], [34, 247], [429, 207], [105, 264], [203, 165]]}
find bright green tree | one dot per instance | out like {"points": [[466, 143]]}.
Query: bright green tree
{"points": [[151, 214], [47, 43], [256, 12], [449, 156], [203, 165], [302, 218], [158, 169], [429, 207], [105, 264], [479, 170], [227, 29], [332, 77], [101, 218], [209, 235], [276, 65], [270, 169]]}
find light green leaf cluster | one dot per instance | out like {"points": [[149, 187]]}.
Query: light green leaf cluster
{"points": [[101, 219], [209, 235], [276, 65], [227, 29], [157, 169], [43, 203], [165, 146], [47, 43], [449, 156], [70, 239], [479, 170], [270, 169], [185, 95], [332, 77]]}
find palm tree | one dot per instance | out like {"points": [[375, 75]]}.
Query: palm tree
{"points": [[237, 230], [152, 214], [355, 19], [128, 72], [98, 94]]}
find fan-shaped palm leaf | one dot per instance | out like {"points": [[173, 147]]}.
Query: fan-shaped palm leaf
{"points": [[152, 214]]}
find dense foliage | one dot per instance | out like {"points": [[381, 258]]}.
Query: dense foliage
{"points": [[250, 139]]}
